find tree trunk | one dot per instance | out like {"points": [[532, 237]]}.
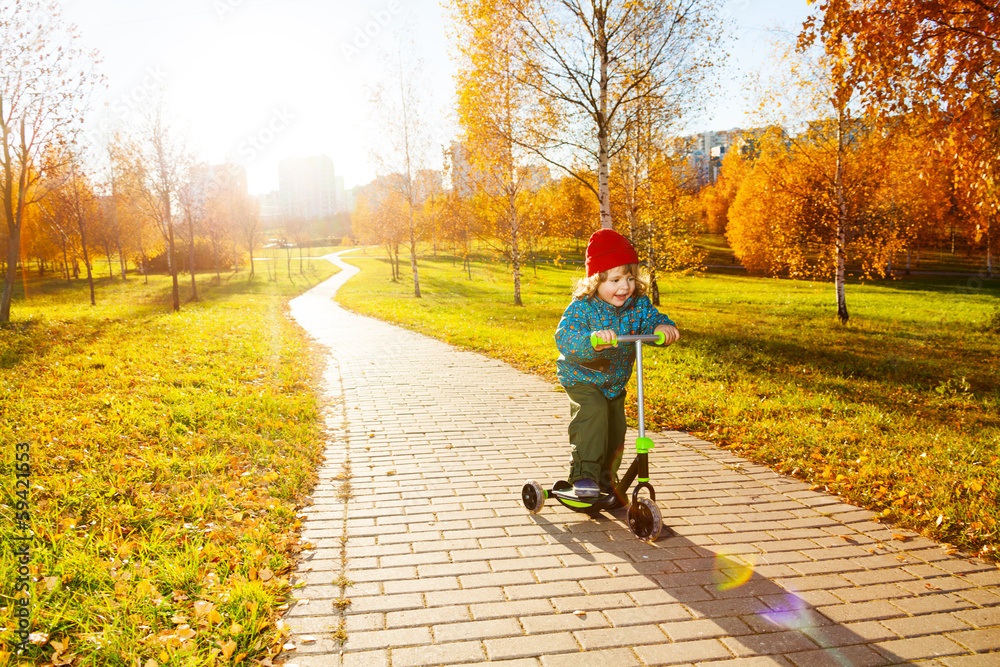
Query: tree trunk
{"points": [[603, 189], [65, 260], [107, 254], [10, 276], [171, 262], [86, 263], [515, 254], [121, 256], [841, 221]]}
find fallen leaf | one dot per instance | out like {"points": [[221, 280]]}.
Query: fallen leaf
{"points": [[579, 612], [202, 607], [308, 639], [265, 573], [228, 648], [900, 537], [289, 647]]}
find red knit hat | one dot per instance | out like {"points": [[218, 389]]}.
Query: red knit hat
{"points": [[608, 249]]}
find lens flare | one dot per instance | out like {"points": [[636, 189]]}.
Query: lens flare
{"points": [[731, 571]]}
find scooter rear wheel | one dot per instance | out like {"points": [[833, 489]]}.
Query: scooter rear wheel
{"points": [[533, 496], [644, 520]]}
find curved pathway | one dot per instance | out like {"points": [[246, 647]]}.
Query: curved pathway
{"points": [[442, 565]]}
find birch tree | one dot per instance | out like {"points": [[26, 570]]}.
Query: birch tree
{"points": [[399, 104], [45, 79], [588, 62], [164, 164], [495, 112]]}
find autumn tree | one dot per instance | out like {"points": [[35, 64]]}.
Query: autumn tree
{"points": [[590, 62], [74, 201], [495, 111], [164, 164], [937, 60], [399, 101], [380, 217], [45, 78]]}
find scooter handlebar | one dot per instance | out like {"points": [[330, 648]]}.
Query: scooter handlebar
{"points": [[659, 338]]}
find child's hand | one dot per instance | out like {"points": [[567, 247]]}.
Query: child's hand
{"points": [[608, 336], [671, 334]]}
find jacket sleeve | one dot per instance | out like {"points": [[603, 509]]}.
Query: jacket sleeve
{"points": [[573, 334], [649, 316]]}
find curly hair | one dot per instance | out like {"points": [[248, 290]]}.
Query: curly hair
{"points": [[586, 288]]}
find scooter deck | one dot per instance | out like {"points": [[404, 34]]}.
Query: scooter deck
{"points": [[606, 501]]}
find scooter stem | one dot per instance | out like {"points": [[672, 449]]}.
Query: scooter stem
{"points": [[638, 379]]}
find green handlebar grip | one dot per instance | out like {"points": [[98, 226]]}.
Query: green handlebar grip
{"points": [[661, 338], [595, 341]]}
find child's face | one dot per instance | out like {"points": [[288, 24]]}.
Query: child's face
{"points": [[618, 287]]}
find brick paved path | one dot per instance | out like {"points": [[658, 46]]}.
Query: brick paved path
{"points": [[448, 568]]}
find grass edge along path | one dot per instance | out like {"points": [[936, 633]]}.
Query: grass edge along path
{"points": [[170, 454], [899, 411]]}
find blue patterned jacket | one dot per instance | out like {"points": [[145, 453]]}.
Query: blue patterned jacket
{"points": [[609, 370]]}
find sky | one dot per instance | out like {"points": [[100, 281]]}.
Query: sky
{"points": [[256, 81]]}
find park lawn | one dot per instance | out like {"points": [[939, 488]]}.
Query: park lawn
{"points": [[898, 411], [170, 453]]}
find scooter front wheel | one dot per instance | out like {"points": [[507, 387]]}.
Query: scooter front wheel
{"points": [[644, 520], [533, 496]]}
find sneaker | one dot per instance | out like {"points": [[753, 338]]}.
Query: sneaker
{"points": [[586, 488]]}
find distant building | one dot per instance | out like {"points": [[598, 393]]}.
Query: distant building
{"points": [[462, 178], [708, 149], [270, 208], [215, 180], [307, 187]]}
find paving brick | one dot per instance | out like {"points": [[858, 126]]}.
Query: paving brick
{"points": [[704, 629], [855, 656], [378, 639], [683, 652], [659, 613], [477, 630], [980, 641], [438, 654], [425, 617], [773, 643], [510, 609], [549, 590], [982, 660], [928, 604], [980, 618], [356, 659], [530, 647], [918, 648], [618, 657], [928, 624], [633, 635], [617, 584], [861, 611]]}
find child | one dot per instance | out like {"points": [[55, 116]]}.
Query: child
{"points": [[610, 301]]}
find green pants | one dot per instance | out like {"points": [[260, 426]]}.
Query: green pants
{"points": [[596, 433]]}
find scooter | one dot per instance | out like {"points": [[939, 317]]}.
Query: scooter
{"points": [[644, 518]]}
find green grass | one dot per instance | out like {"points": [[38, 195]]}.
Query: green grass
{"points": [[898, 411], [170, 452]]}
